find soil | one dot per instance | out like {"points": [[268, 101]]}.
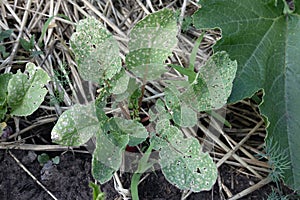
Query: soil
{"points": [[70, 178]]}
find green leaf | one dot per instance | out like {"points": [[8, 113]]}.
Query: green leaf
{"points": [[107, 156], [132, 86], [3, 51], [184, 165], [121, 83], [213, 84], [27, 92], [4, 79], [43, 158], [5, 34], [136, 131], [182, 115], [97, 194], [265, 42], [159, 112], [151, 42], [56, 160], [96, 51], [27, 45], [165, 133], [44, 30], [3, 110], [76, 125]]}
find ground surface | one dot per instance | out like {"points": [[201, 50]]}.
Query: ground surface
{"points": [[69, 180]]}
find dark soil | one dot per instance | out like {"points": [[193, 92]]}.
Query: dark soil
{"points": [[70, 178]]}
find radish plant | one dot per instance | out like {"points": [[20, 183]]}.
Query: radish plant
{"points": [[152, 41]]}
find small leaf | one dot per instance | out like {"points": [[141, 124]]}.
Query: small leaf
{"points": [[151, 42], [27, 92], [213, 85], [3, 52], [56, 160], [136, 131], [185, 166], [43, 158], [5, 34], [107, 156], [4, 79], [27, 45], [159, 112], [182, 115], [96, 51], [132, 86], [97, 194], [121, 84], [76, 125]]}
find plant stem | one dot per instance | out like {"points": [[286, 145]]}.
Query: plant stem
{"points": [[134, 186]]}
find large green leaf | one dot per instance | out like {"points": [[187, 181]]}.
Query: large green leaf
{"points": [[96, 51], [265, 41], [76, 125], [26, 92], [151, 42]]}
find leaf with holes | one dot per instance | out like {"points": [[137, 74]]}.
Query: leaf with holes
{"points": [[76, 125], [26, 92], [184, 165], [213, 84], [151, 42], [107, 156], [96, 51], [263, 36]]}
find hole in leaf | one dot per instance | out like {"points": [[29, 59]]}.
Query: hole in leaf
{"points": [[198, 170]]}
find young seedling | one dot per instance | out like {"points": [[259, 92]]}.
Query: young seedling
{"points": [[22, 93], [152, 40]]}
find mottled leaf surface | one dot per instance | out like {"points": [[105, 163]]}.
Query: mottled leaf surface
{"points": [[183, 163], [4, 79], [151, 42], [96, 51], [136, 131], [181, 113], [213, 84], [107, 156], [265, 41], [26, 90], [76, 125]]}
